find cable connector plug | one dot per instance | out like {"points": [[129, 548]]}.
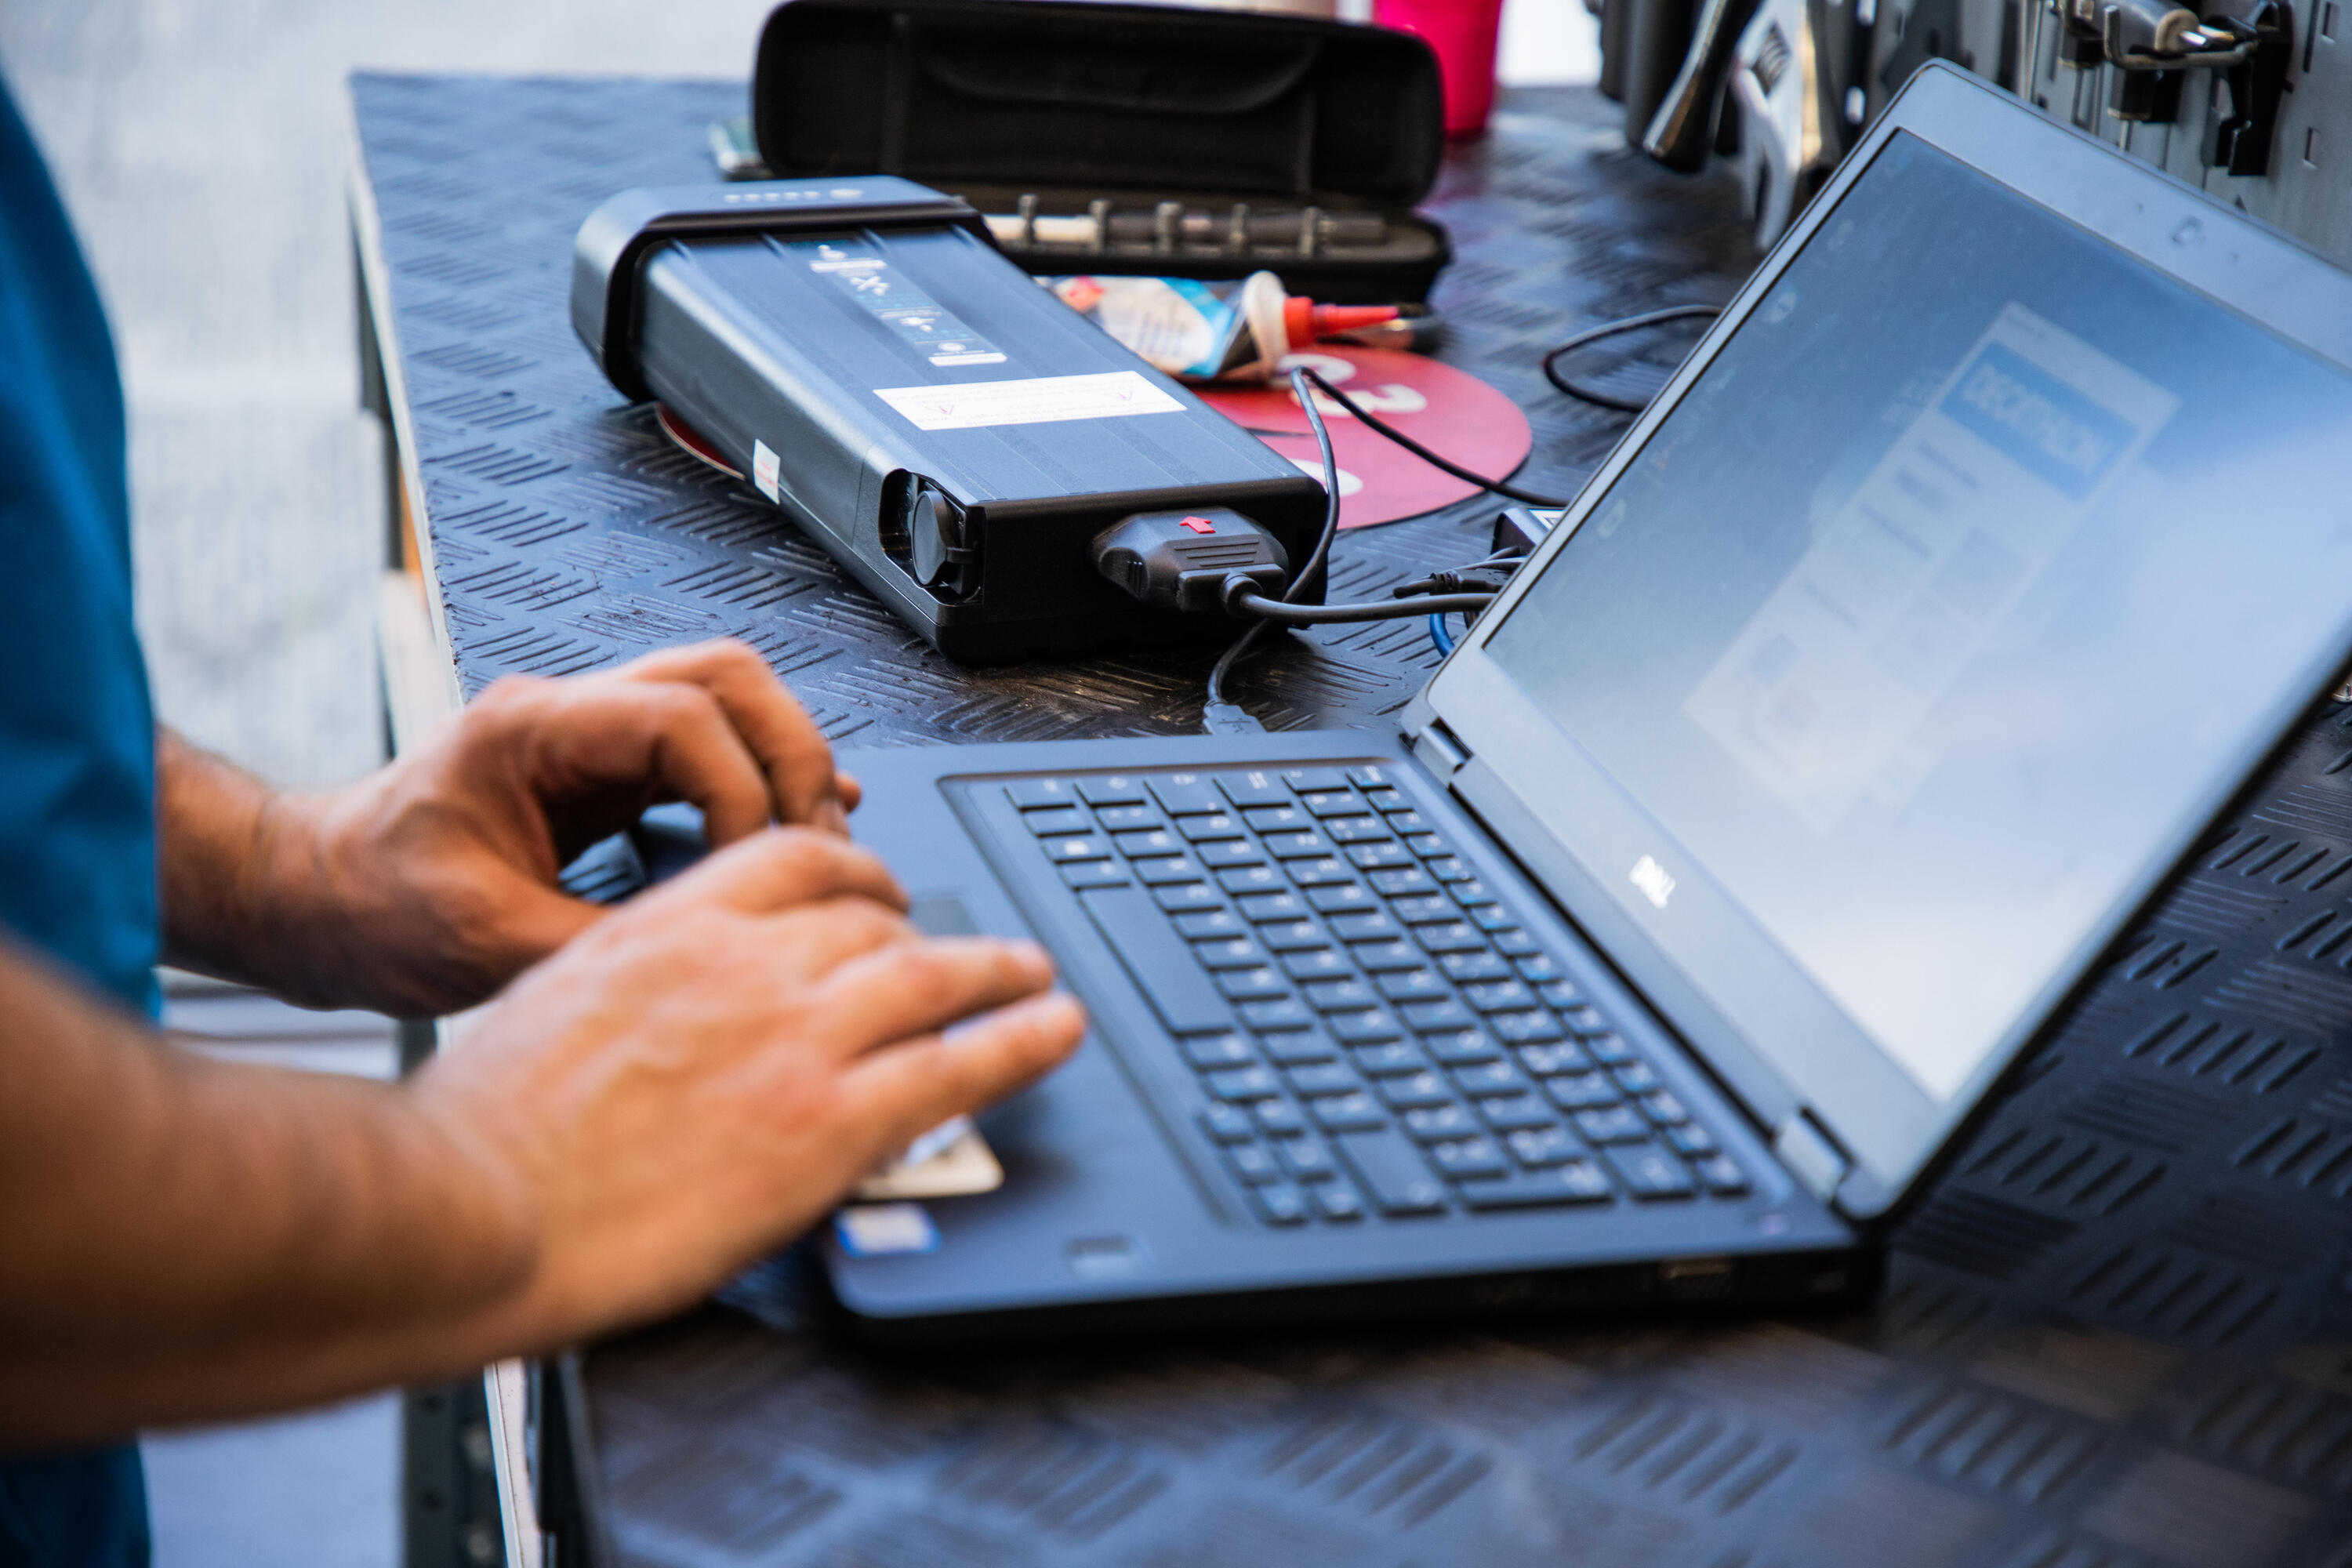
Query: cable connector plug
{"points": [[1185, 560]]}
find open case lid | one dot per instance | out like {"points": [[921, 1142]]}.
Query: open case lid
{"points": [[1032, 92]]}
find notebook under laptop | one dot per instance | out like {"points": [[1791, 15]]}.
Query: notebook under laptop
{"points": [[1959, 578]]}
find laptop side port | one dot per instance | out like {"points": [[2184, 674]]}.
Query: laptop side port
{"points": [[1696, 1279]]}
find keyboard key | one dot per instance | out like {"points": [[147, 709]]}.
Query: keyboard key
{"points": [[1127, 818], [1514, 1113], [1664, 1109], [1401, 884], [1373, 775], [1584, 1019], [1461, 1047], [1181, 794], [1337, 1202], [1285, 905], [1216, 824], [1540, 969], [1618, 1124], [1326, 1077], [1157, 957], [1302, 845], [1524, 1028], [1322, 871], [1499, 996], [1723, 1175], [1651, 1173], [1112, 789], [1055, 819], [1225, 853], [1448, 868], [1149, 841], [1088, 874], [1307, 1159], [1356, 830], [1370, 925], [1320, 963], [1183, 896], [1580, 1182], [1226, 1123], [1546, 1060], [1461, 968], [1252, 789], [1427, 846], [1609, 1050], [1637, 1077], [1690, 1138], [1469, 1159], [1414, 985], [1278, 1118], [1314, 779], [1388, 1058], [1581, 1092], [1377, 857], [1493, 917], [1346, 899], [1561, 994], [1537, 1147], [1440, 1123], [1246, 881], [1438, 1017], [1253, 1164], [1402, 819], [1368, 1027], [1451, 936], [1165, 869], [1278, 818], [1292, 936], [1243, 1084], [1415, 1091], [1501, 1075], [1278, 1017], [1385, 800], [1398, 1180], [1298, 1047], [1349, 996], [1347, 1112], [1031, 794], [1386, 957], [1513, 942], [1333, 803], [1259, 984], [1426, 909], [1229, 952], [1279, 1204], [1217, 1051], [1086, 847], [1211, 922], [1471, 894]]}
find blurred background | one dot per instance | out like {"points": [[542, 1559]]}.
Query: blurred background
{"points": [[201, 146]]}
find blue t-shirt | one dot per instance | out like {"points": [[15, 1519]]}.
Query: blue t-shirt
{"points": [[77, 736]]}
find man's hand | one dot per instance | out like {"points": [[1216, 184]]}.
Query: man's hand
{"points": [[423, 888]]}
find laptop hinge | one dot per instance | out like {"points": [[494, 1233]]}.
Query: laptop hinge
{"points": [[1809, 1155], [1439, 750]]}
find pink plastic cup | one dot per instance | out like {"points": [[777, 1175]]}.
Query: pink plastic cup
{"points": [[1463, 33]]}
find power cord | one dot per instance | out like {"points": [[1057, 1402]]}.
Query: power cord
{"points": [[1607, 330]]}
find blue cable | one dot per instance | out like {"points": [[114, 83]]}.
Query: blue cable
{"points": [[1438, 635]]}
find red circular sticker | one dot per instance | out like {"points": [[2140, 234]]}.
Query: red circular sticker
{"points": [[1449, 411]]}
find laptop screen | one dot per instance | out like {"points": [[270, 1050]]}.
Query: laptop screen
{"points": [[1971, 566]]}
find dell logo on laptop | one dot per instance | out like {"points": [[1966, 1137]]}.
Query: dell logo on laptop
{"points": [[1651, 879]]}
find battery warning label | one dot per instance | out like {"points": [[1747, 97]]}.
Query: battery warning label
{"points": [[1038, 400], [1824, 696], [890, 298]]}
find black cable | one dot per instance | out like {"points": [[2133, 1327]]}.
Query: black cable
{"points": [[1373, 423], [1587, 338], [1219, 717], [1250, 602]]}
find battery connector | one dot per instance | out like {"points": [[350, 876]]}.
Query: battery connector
{"points": [[1190, 561]]}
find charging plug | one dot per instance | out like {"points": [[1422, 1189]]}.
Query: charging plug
{"points": [[1183, 560]]}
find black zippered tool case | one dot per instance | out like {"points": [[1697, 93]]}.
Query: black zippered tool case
{"points": [[1126, 138], [950, 432]]}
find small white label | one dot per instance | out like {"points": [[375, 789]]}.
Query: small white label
{"points": [[763, 469], [1653, 880], [1039, 400], [878, 1230]]}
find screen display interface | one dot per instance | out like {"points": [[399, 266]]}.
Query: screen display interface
{"points": [[1965, 573]]}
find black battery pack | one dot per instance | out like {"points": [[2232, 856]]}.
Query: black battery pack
{"points": [[950, 432]]}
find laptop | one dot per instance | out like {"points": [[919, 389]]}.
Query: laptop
{"points": [[1966, 571]]}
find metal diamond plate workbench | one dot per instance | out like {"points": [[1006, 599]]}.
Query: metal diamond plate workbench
{"points": [[2119, 1334]]}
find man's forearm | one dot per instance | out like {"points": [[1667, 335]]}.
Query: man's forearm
{"points": [[188, 1238]]}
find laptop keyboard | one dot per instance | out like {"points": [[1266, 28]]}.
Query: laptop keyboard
{"points": [[1374, 1032]]}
